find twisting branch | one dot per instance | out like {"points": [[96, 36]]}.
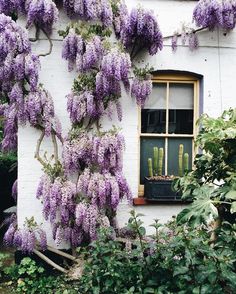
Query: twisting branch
{"points": [[49, 261], [37, 152], [50, 44], [55, 147], [36, 38]]}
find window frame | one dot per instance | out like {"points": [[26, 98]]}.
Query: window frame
{"points": [[178, 79]]}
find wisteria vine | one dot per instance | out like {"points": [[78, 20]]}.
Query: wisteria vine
{"points": [[81, 189]]}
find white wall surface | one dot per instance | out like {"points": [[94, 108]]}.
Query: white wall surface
{"points": [[215, 60]]}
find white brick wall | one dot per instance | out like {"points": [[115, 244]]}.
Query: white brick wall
{"points": [[216, 64]]}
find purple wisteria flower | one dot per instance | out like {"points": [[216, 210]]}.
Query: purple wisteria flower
{"points": [[72, 46], [83, 105], [141, 31], [90, 10], [107, 151], [103, 188], [27, 238], [19, 74], [116, 65], [174, 42], [9, 7], [40, 110], [193, 41], [42, 13], [76, 152], [141, 89], [214, 13]]}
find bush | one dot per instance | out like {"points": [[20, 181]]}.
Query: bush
{"points": [[175, 260], [30, 278]]}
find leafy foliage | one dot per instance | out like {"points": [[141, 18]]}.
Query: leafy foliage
{"points": [[212, 185], [29, 278], [174, 260]]}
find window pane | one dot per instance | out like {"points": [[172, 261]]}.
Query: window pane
{"points": [[153, 116], [173, 152], [146, 151], [181, 108]]}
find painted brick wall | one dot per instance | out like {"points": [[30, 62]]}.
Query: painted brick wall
{"points": [[215, 60]]}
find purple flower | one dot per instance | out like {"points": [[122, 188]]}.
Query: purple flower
{"points": [[90, 10], [141, 31], [193, 41], [214, 13], [141, 90], [174, 41], [42, 13]]}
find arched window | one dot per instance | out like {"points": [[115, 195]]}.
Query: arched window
{"points": [[168, 120]]}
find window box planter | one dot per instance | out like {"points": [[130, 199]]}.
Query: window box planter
{"points": [[160, 190]]}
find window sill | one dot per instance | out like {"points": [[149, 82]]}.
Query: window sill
{"points": [[142, 201]]}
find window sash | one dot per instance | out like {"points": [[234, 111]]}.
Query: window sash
{"points": [[169, 80]]}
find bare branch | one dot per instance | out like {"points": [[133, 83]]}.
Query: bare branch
{"points": [[49, 261], [55, 146], [179, 35], [59, 252], [50, 44], [36, 38], [37, 152]]}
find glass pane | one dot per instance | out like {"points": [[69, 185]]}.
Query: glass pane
{"points": [[146, 152], [181, 109], [173, 154], [153, 116]]}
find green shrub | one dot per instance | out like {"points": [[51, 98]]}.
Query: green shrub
{"points": [[175, 260]]}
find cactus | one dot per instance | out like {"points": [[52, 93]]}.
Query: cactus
{"points": [[155, 160], [160, 161], [181, 151], [186, 162], [150, 170]]}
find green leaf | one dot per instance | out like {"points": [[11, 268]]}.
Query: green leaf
{"points": [[200, 210], [180, 270], [231, 195], [233, 207]]}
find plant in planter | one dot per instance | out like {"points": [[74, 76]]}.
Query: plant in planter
{"points": [[158, 186]]}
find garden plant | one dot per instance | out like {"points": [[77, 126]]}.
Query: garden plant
{"points": [[81, 188]]}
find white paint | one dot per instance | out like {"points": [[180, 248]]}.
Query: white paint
{"points": [[215, 60]]}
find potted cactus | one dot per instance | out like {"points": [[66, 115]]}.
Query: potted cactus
{"points": [[158, 186]]}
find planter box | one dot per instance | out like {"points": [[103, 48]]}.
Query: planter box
{"points": [[160, 190]]}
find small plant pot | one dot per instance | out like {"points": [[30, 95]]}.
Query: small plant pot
{"points": [[160, 190]]}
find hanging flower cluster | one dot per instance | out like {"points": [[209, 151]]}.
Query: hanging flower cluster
{"points": [[9, 7], [215, 13], [188, 36], [59, 197], [76, 153], [24, 99], [116, 66], [103, 189], [141, 31], [27, 238], [142, 85], [90, 10], [42, 13], [103, 150]]}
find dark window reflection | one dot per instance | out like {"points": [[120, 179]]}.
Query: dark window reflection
{"points": [[180, 121], [153, 121]]}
